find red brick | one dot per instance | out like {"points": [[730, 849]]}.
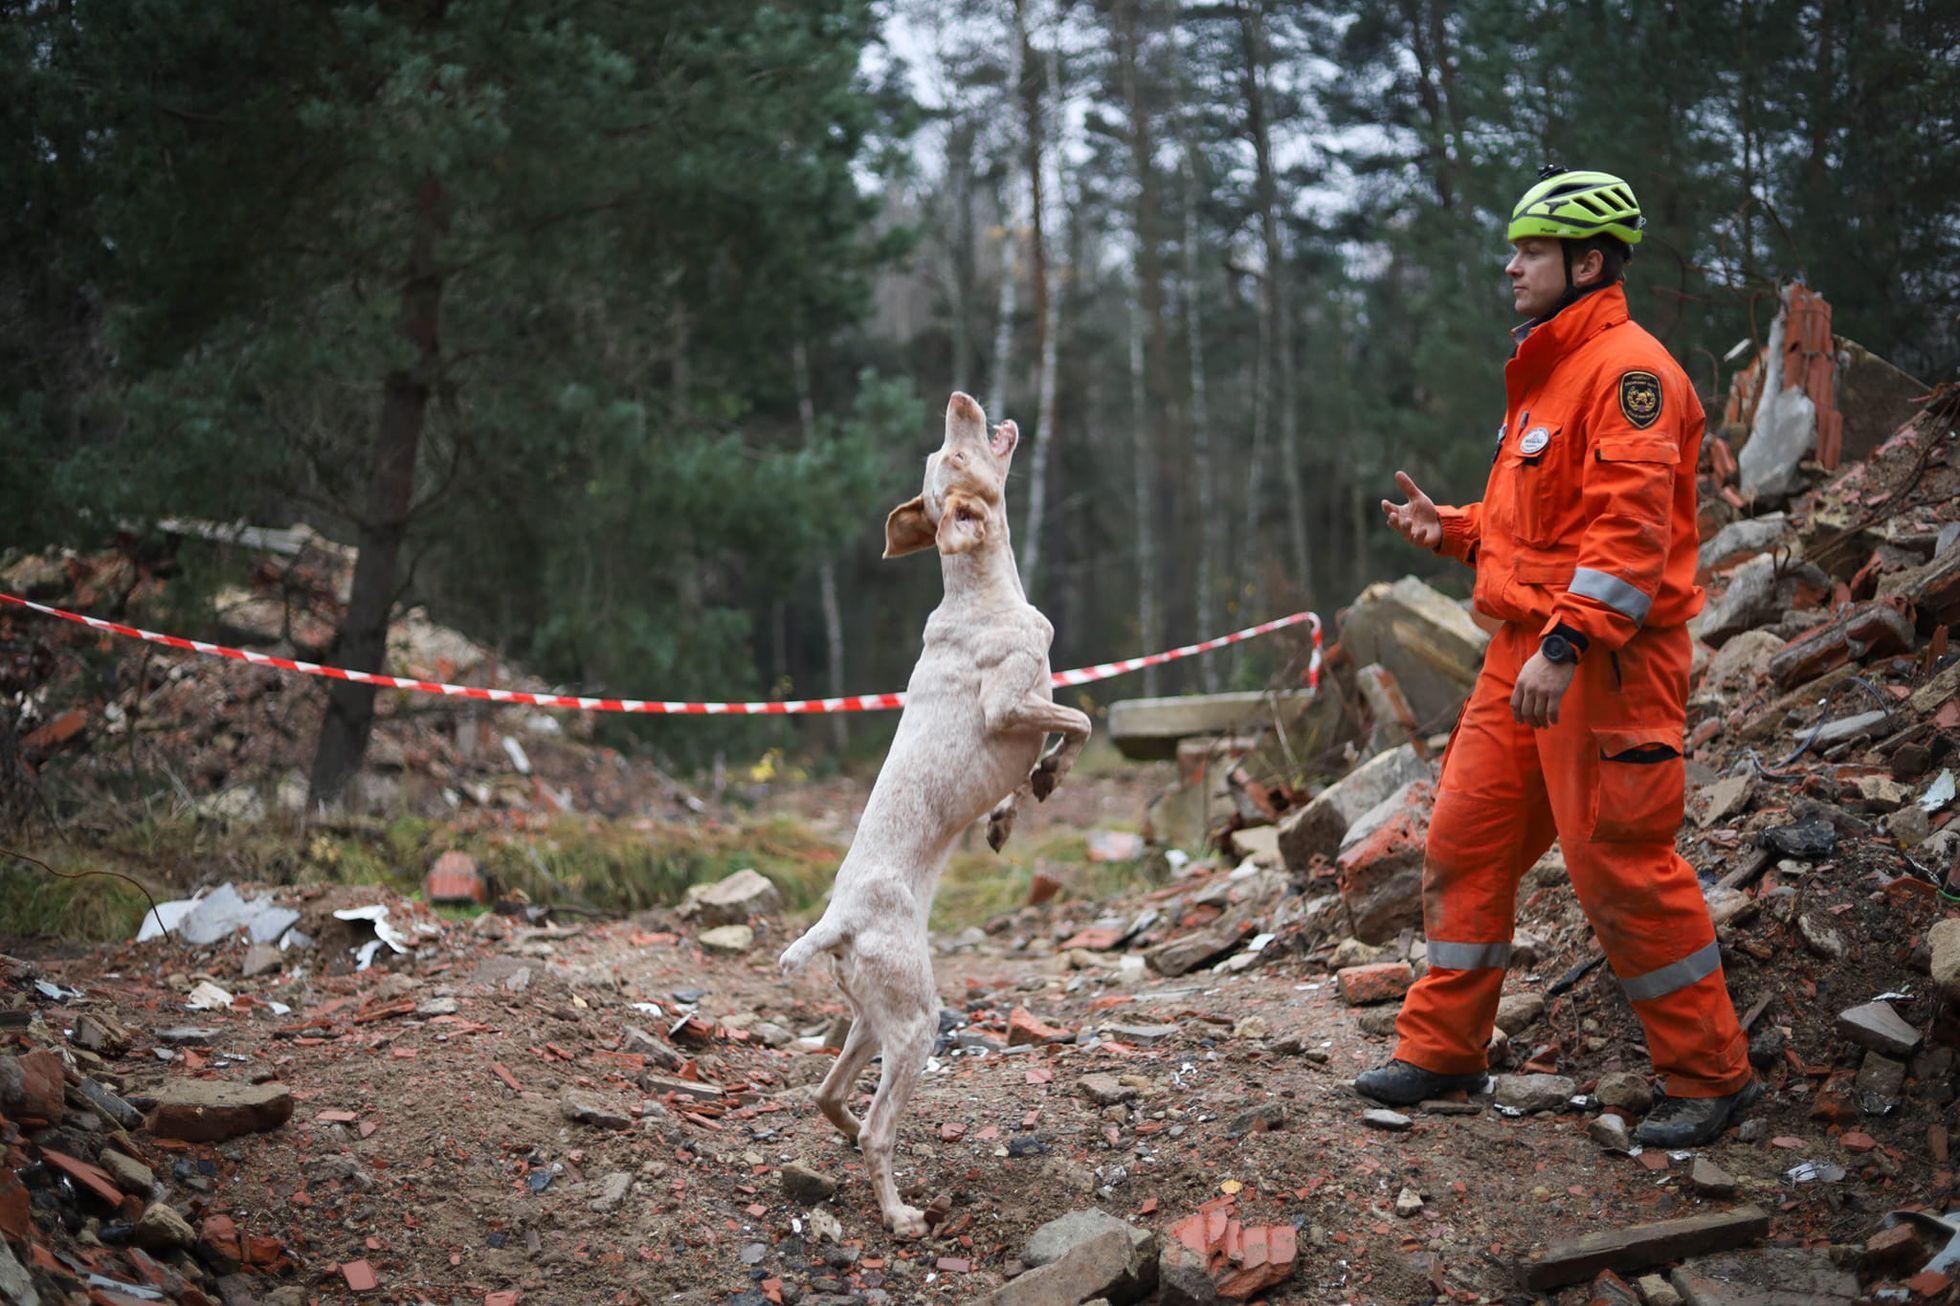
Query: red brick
{"points": [[1898, 1247], [359, 1276], [41, 1088], [455, 879], [14, 1219], [1094, 939], [1381, 874], [1382, 981], [1857, 1141], [221, 1233], [58, 731], [1929, 1283], [87, 1175], [508, 1297], [1024, 1027], [1043, 887]]}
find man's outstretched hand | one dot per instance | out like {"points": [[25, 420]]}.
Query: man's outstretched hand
{"points": [[1415, 521]]}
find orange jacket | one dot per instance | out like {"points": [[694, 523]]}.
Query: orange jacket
{"points": [[1589, 516]]}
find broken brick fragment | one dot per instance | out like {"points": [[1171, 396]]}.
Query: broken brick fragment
{"points": [[1382, 981], [1024, 1027]]}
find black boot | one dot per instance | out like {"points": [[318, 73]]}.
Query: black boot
{"points": [[1399, 1083], [1678, 1122]]}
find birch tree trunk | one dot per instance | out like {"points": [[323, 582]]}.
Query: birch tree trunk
{"points": [[1010, 228], [1210, 548], [1274, 306], [1044, 173], [833, 617], [1145, 477]]}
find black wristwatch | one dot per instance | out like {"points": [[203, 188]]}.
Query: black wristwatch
{"points": [[1558, 649]]}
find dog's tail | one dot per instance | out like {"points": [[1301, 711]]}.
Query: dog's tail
{"points": [[824, 936]]}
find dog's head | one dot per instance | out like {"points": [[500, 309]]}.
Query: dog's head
{"points": [[962, 505]]}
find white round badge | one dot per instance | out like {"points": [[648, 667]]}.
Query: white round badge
{"points": [[1534, 441]]}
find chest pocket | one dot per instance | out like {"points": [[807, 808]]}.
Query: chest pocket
{"points": [[1536, 464]]}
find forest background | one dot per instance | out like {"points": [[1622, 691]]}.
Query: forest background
{"points": [[609, 332]]}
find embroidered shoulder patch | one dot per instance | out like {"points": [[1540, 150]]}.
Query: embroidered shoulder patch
{"points": [[1640, 398]]}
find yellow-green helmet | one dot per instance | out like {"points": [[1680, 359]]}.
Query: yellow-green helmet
{"points": [[1575, 205]]}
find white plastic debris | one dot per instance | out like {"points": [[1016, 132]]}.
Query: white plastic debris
{"points": [[1938, 794], [208, 997], [518, 757], [376, 915], [208, 918]]}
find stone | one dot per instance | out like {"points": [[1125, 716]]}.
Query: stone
{"points": [[1393, 1122], [1739, 540], [1381, 874], [1426, 639], [212, 1110], [1381, 981], [1710, 1180], [261, 959], [733, 900], [1517, 1012], [1610, 1132], [1149, 729], [110, 1105], [1535, 1092], [1811, 838], [1641, 1245], [1184, 1277], [1391, 720], [1626, 1090], [1742, 662], [807, 1187], [1775, 1276], [16, 1285], [583, 1108], [161, 1228], [1847, 728], [729, 940], [1749, 602], [612, 1191], [1259, 1119], [1087, 1270], [1142, 1036], [130, 1174], [1105, 1090], [1881, 793], [31, 1086], [1880, 1081], [1821, 937], [1876, 1026], [1351, 951], [1317, 829], [1408, 1203], [1874, 397], [1727, 797], [1190, 950], [1909, 825], [1944, 942], [1064, 1235], [1656, 1291]]}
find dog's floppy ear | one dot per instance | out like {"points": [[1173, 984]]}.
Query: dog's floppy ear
{"points": [[907, 529], [963, 525]]}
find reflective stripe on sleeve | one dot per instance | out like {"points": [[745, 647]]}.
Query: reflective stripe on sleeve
{"points": [[1676, 975], [1469, 956], [1609, 589]]}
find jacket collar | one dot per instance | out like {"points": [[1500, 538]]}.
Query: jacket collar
{"points": [[1541, 342]]}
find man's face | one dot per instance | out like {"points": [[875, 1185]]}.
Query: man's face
{"points": [[1537, 272]]}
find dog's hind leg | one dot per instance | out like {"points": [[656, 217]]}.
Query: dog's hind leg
{"points": [[833, 1098], [907, 1014]]}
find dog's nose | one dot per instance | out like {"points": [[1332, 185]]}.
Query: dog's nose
{"points": [[963, 404]]}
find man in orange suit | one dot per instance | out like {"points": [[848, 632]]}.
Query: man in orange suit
{"points": [[1585, 549]]}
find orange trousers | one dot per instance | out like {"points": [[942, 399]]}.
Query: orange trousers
{"points": [[1608, 782]]}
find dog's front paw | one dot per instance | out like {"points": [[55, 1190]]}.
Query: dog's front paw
{"points": [[906, 1221]]}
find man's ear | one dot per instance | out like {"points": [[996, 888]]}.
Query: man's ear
{"points": [[963, 524], [907, 529]]}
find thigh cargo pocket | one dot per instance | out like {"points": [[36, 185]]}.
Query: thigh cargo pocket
{"points": [[1641, 793]]}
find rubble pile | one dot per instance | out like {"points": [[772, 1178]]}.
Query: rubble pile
{"points": [[92, 710]]}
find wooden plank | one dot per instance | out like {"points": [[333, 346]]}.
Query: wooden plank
{"points": [[1642, 1245]]}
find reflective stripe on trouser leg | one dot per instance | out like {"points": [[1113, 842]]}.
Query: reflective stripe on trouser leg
{"points": [[1468, 956], [1675, 975]]}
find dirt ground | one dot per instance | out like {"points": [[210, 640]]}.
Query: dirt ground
{"points": [[433, 1138]]}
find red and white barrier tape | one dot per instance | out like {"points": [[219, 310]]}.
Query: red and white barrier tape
{"points": [[780, 707]]}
